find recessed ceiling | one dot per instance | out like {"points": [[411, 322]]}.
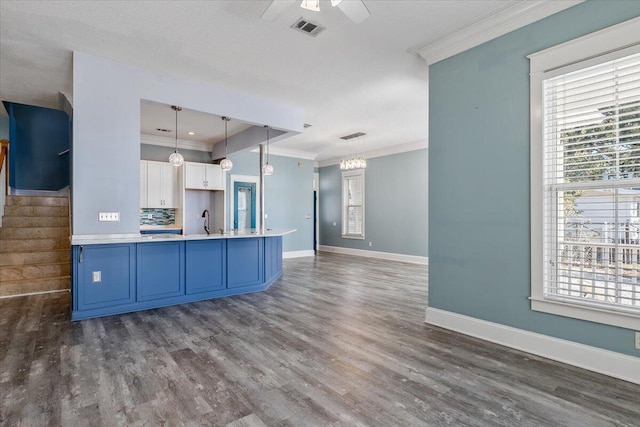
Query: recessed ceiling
{"points": [[208, 128], [351, 77]]}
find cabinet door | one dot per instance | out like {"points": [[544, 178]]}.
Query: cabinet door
{"points": [[143, 183], [169, 186], [160, 270], [106, 276], [205, 261], [154, 185], [245, 262], [213, 177], [194, 175]]}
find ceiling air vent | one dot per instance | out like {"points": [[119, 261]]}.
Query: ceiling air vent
{"points": [[163, 130], [307, 27], [353, 135], [306, 125]]}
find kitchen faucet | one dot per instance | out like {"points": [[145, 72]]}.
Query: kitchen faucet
{"points": [[206, 217]]}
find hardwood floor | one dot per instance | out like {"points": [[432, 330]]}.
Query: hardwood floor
{"points": [[336, 341]]}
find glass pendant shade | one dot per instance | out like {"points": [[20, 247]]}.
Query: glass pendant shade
{"points": [[226, 164], [267, 169], [176, 159]]}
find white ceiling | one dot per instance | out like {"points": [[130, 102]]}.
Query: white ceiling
{"points": [[351, 77]]}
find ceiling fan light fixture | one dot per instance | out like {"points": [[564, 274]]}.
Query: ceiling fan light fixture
{"points": [[313, 5]]}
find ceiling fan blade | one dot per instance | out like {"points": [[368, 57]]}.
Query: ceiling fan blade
{"points": [[275, 9], [355, 10]]}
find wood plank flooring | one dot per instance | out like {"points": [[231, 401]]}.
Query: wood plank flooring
{"points": [[337, 341]]}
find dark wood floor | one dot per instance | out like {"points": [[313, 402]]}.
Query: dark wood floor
{"points": [[336, 341]]}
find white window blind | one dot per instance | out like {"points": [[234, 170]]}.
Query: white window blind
{"points": [[591, 173], [353, 204]]}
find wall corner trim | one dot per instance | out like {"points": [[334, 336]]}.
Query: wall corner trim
{"points": [[594, 359], [298, 254], [413, 259]]}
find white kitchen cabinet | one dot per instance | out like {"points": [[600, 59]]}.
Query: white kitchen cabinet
{"points": [[162, 185], [143, 183], [203, 176]]}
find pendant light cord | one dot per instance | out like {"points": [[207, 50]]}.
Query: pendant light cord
{"points": [[176, 149], [267, 144]]}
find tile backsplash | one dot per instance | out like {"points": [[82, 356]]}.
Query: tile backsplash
{"points": [[158, 216]]}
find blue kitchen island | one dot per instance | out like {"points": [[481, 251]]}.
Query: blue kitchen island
{"points": [[114, 275]]}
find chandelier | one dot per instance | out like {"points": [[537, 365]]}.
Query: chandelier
{"points": [[353, 163]]}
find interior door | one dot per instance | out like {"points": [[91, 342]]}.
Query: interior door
{"points": [[244, 205]]}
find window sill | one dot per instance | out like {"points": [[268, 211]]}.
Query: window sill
{"points": [[352, 236], [583, 312]]}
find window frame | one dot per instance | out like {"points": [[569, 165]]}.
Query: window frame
{"points": [[345, 206], [578, 53]]}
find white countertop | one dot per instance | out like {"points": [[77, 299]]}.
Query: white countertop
{"points": [[105, 239]]}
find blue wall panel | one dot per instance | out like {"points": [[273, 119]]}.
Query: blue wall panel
{"points": [[160, 270], [479, 185], [272, 257], [205, 265], [245, 262], [37, 136]]}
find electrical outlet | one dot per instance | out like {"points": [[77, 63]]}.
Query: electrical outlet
{"points": [[638, 340], [307, 216], [96, 276], [149, 216], [334, 223], [370, 244], [108, 216], [266, 216]]}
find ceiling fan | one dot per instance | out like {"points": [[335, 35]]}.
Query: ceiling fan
{"points": [[355, 10]]}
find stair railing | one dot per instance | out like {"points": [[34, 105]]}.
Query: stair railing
{"points": [[4, 175]]}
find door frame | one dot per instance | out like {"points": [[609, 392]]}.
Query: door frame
{"points": [[243, 178], [252, 201]]}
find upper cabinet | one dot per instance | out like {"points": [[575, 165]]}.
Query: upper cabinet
{"points": [[161, 185], [203, 176]]}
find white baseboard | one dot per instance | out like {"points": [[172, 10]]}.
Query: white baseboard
{"points": [[422, 260], [583, 356], [298, 254], [34, 293]]}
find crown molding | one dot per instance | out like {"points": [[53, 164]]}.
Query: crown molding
{"points": [[287, 152], [503, 22], [169, 142], [387, 151]]}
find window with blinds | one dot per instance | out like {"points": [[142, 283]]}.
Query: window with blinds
{"points": [[591, 174], [353, 204]]}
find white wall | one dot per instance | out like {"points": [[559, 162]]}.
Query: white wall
{"points": [[106, 133]]}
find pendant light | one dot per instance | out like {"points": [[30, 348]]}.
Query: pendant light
{"points": [[267, 169], [176, 159], [226, 164]]}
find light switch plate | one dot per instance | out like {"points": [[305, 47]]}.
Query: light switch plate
{"points": [[108, 216], [307, 216], [96, 276]]}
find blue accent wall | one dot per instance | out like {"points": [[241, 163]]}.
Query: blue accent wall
{"points": [[288, 195], [396, 214], [37, 135], [479, 186]]}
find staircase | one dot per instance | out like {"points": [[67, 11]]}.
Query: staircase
{"points": [[35, 250]]}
